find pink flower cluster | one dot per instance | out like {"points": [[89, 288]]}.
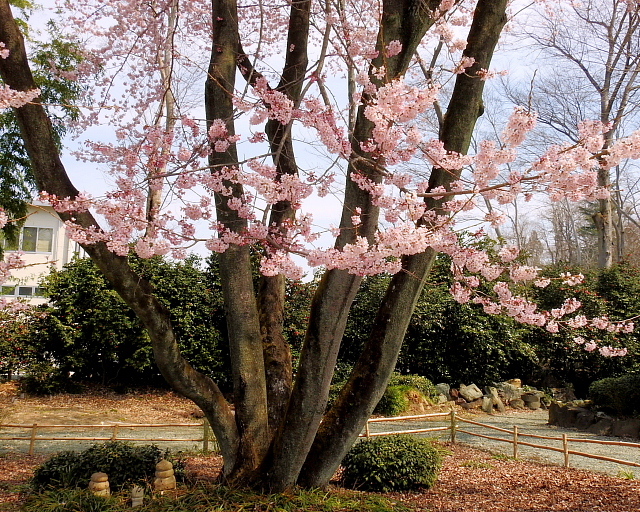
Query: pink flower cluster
{"points": [[16, 99]]}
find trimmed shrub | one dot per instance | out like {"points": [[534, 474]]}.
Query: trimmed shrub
{"points": [[124, 463], [620, 394], [44, 379], [394, 463], [422, 384], [394, 401]]}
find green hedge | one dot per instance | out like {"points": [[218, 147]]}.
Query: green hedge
{"points": [[123, 462], [620, 394], [394, 463]]}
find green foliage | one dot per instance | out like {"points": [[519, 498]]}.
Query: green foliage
{"points": [[124, 463], [445, 341], [619, 394], [58, 94], [613, 292], [90, 330], [16, 349], [210, 498], [451, 342], [394, 463], [45, 379], [394, 401], [422, 384]]}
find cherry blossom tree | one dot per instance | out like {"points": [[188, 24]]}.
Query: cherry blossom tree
{"points": [[253, 187]]}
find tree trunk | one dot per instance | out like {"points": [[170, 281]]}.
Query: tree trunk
{"points": [[367, 383]]}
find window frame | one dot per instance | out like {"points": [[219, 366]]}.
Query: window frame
{"points": [[38, 239]]}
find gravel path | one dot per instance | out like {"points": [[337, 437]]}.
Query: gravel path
{"points": [[534, 422]]}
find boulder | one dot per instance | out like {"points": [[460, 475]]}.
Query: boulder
{"points": [[509, 391], [626, 428], [568, 416], [515, 382], [476, 404], [602, 427], [585, 419], [497, 402], [531, 396], [553, 412], [534, 406], [517, 404], [443, 388], [470, 392]]}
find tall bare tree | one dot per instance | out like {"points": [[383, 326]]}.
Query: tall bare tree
{"points": [[592, 49]]}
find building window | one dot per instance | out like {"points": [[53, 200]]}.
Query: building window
{"points": [[22, 291], [32, 239]]}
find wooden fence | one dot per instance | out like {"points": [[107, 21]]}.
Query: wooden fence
{"points": [[208, 440], [453, 419], [514, 438]]}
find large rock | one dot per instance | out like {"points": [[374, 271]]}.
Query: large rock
{"points": [[517, 404], [534, 406], [443, 388], [585, 419], [602, 427], [470, 392], [554, 408], [564, 416], [626, 428], [509, 391], [495, 397], [487, 404], [476, 404]]}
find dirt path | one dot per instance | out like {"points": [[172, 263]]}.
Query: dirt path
{"points": [[535, 422]]}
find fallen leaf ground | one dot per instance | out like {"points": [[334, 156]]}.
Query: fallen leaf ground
{"points": [[470, 481]]}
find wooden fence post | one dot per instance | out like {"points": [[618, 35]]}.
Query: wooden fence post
{"points": [[565, 447], [453, 426], [515, 441], [367, 432], [32, 443], [114, 434], [205, 436]]}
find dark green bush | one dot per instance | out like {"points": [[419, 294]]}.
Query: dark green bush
{"points": [[124, 463], [394, 463], [44, 379], [394, 402], [620, 394]]}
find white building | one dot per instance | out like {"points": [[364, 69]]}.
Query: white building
{"points": [[44, 243]]}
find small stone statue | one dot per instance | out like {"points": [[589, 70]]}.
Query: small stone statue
{"points": [[137, 496], [165, 479], [99, 484]]}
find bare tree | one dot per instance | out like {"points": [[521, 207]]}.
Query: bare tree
{"points": [[593, 48]]}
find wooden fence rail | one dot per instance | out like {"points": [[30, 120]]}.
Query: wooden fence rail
{"points": [[515, 439], [208, 440]]}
